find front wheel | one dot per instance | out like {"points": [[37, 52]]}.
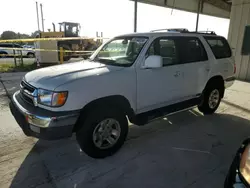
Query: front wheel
{"points": [[211, 99], [102, 133]]}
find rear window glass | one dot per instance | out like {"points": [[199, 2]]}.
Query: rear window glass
{"points": [[191, 50], [10, 45], [5, 45], [219, 46]]}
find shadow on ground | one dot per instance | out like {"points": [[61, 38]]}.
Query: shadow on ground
{"points": [[182, 150]]}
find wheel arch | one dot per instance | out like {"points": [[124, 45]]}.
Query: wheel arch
{"points": [[218, 79], [118, 101], [3, 52], [33, 53]]}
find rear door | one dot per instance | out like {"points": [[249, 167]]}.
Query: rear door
{"points": [[222, 53], [195, 66]]}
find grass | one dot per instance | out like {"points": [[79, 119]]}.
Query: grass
{"points": [[7, 67]]}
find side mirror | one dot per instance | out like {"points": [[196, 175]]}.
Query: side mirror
{"points": [[239, 172], [153, 61]]}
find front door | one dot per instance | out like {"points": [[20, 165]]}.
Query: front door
{"points": [[160, 86]]}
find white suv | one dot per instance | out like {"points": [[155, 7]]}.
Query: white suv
{"points": [[138, 76], [6, 50]]}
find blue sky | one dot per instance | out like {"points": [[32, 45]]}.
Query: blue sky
{"points": [[113, 17]]}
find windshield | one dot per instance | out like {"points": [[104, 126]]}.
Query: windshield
{"points": [[121, 51]]}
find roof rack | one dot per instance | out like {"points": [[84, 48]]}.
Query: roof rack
{"points": [[171, 30], [183, 30]]}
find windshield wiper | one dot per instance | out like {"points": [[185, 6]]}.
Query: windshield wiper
{"points": [[106, 60]]}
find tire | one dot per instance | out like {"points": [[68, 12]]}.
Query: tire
{"points": [[214, 91], [31, 55], [90, 131]]}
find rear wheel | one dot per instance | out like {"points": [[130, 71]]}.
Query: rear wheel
{"points": [[211, 98], [102, 132]]}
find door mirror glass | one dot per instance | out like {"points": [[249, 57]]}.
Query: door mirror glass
{"points": [[239, 171], [153, 61], [244, 167]]}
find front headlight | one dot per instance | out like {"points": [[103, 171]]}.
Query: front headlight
{"points": [[50, 98]]}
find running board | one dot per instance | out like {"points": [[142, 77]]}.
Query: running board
{"points": [[146, 117]]}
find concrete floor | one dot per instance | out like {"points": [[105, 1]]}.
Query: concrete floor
{"points": [[183, 150]]}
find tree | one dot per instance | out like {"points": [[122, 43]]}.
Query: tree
{"points": [[34, 34], [22, 36], [8, 35]]}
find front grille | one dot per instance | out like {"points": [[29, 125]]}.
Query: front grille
{"points": [[27, 92], [27, 86], [26, 98]]}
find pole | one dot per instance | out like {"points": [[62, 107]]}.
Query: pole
{"points": [[37, 16], [135, 16], [198, 15], [21, 53], [41, 6], [101, 37], [14, 52], [61, 55]]}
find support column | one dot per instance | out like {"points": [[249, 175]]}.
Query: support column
{"points": [[135, 16], [239, 19], [198, 15]]}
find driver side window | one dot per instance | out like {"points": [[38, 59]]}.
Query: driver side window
{"points": [[166, 48], [117, 48]]}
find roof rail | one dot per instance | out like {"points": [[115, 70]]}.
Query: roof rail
{"points": [[208, 32], [204, 32], [171, 30], [183, 30]]}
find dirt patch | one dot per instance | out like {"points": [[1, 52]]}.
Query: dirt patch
{"points": [[4, 100]]}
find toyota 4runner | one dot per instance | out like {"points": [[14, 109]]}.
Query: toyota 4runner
{"points": [[136, 77]]}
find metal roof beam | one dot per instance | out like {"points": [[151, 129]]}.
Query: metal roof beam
{"points": [[217, 8], [220, 4]]}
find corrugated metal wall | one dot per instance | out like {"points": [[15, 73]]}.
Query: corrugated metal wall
{"points": [[240, 17]]}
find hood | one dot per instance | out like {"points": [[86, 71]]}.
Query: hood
{"points": [[51, 77]]}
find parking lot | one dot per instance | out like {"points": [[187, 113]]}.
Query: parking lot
{"points": [[182, 150]]}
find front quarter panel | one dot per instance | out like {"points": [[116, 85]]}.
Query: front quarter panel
{"points": [[82, 91]]}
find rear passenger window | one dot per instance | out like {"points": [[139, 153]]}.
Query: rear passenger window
{"points": [[191, 50], [166, 48], [219, 47]]}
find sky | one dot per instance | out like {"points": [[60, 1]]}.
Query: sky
{"points": [[112, 17]]}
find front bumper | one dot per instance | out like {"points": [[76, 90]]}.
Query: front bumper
{"points": [[41, 123]]}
